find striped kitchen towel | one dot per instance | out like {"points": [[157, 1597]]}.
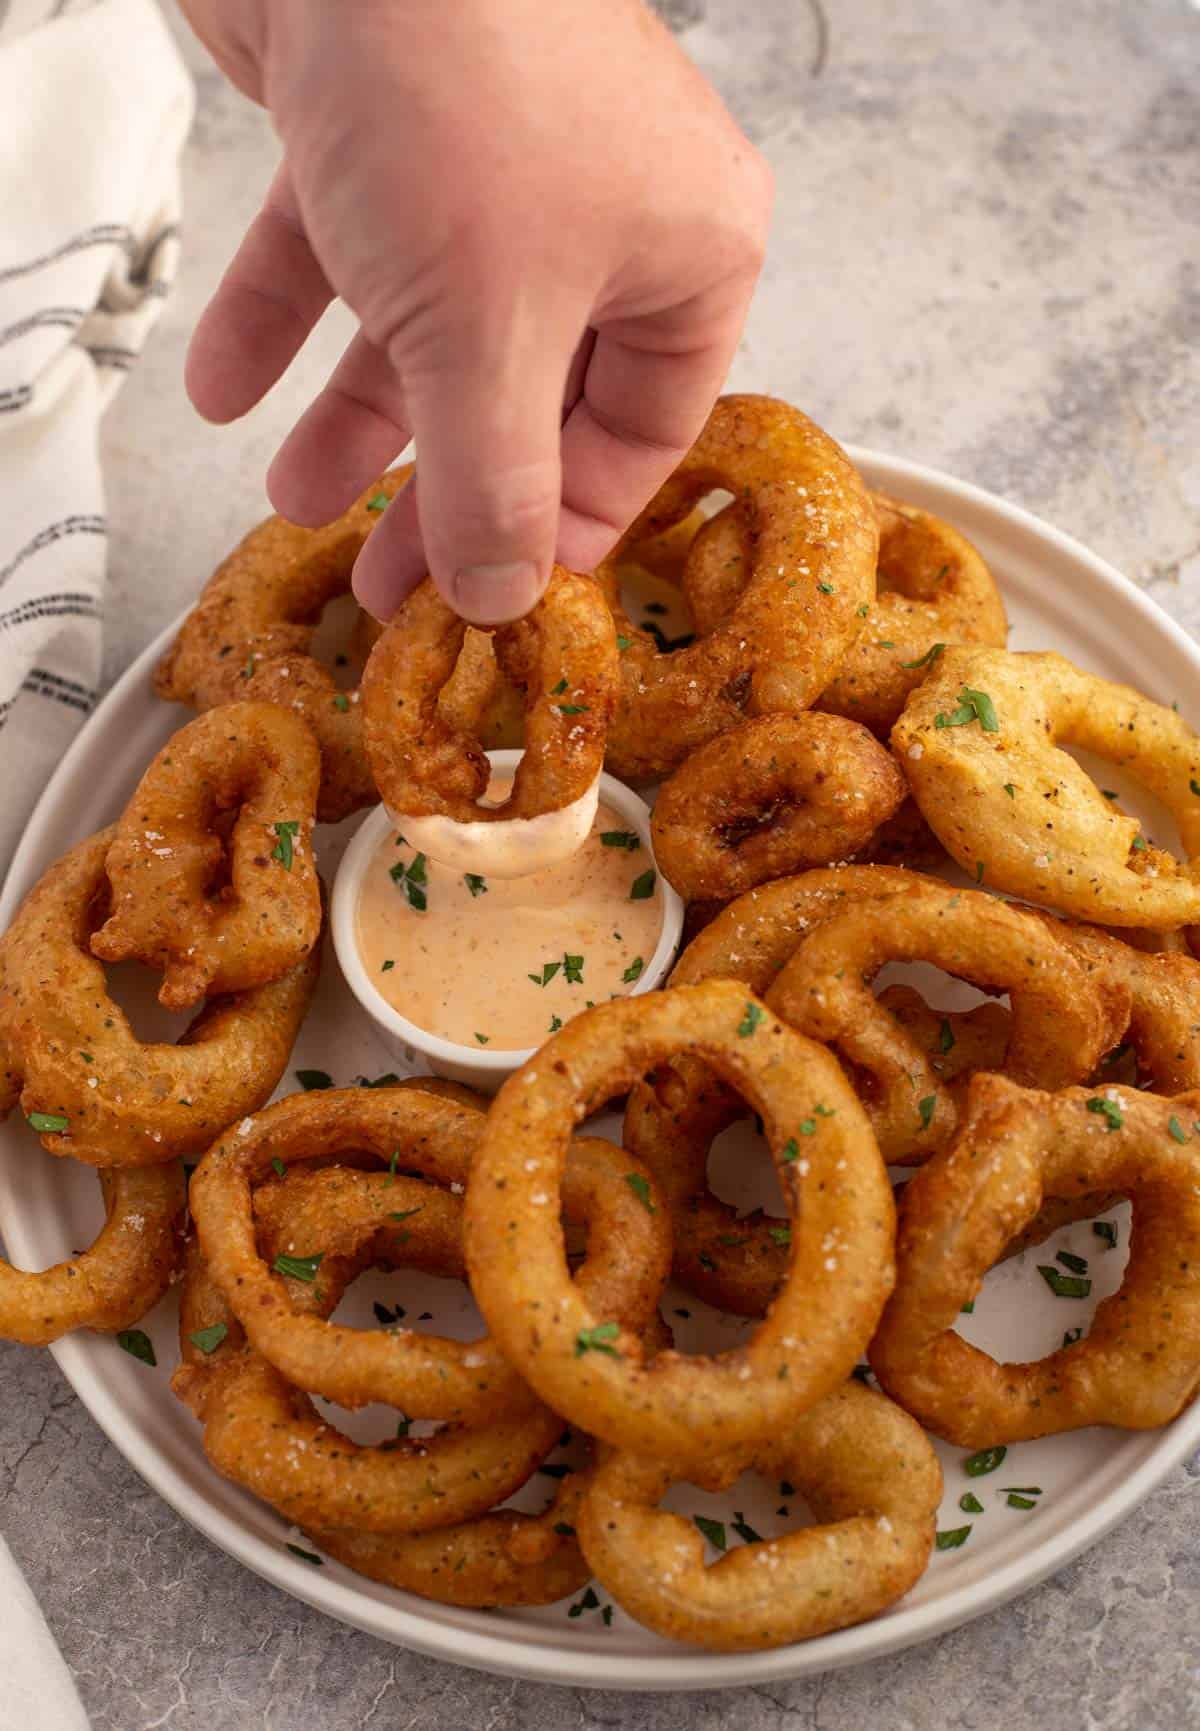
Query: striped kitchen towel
{"points": [[95, 104]]}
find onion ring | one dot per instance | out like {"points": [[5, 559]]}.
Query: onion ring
{"points": [[775, 795], [1054, 838], [82, 1076], [809, 518], [1138, 1366], [574, 1353], [261, 761], [118, 1279], [1164, 995], [1064, 1018], [564, 657], [873, 1482], [427, 1376]]}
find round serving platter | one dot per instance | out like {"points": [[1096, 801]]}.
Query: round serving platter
{"points": [[1069, 1490]]}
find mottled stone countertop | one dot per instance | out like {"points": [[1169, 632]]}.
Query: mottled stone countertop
{"points": [[984, 257]]}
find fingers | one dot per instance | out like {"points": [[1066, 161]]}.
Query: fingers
{"points": [[266, 303], [356, 427], [485, 404], [647, 392]]}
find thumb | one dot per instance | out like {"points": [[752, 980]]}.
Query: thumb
{"points": [[484, 401]]}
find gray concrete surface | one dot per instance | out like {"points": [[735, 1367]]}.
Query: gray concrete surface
{"points": [[985, 256]]}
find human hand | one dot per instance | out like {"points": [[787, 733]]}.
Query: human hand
{"points": [[548, 227]]}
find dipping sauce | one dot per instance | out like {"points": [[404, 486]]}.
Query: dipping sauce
{"points": [[503, 963]]}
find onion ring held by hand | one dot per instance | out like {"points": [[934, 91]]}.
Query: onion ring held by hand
{"points": [[426, 1376], [431, 776], [809, 519], [90, 1087], [866, 1470], [579, 1357], [122, 1275], [980, 743], [772, 796], [262, 762], [1140, 1364]]}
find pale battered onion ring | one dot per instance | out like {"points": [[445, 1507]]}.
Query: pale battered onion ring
{"points": [[1164, 995], [263, 1433], [1054, 839], [674, 1116], [872, 1481], [1138, 1365], [815, 540], [261, 762], [426, 1376], [563, 655], [576, 1355], [122, 1275], [772, 796], [933, 588], [67, 1051], [1064, 1017]]}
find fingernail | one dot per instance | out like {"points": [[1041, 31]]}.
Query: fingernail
{"points": [[380, 584], [492, 594]]}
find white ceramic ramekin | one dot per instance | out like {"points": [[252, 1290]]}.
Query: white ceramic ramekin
{"points": [[478, 1068]]}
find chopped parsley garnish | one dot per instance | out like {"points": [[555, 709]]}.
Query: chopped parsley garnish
{"points": [[549, 969], [483, 1038], [555, 1021], [946, 1037], [714, 1531], [623, 643], [634, 970], [388, 1318], [572, 708], [412, 879], [658, 607], [598, 1339], [1108, 1110], [310, 1079], [927, 1107], [1015, 1500], [1110, 793], [573, 969], [407, 1213], [791, 1149], [970, 1504], [1176, 1130], [1072, 1335], [780, 1234], [476, 884], [386, 967], [744, 1530], [299, 1267], [862, 610], [929, 657], [1195, 787], [282, 851], [749, 1022], [1076, 1264], [1106, 1231], [967, 1309], [825, 588], [138, 1344], [1138, 844], [378, 502], [278, 1165], [985, 1461], [641, 1189], [1064, 1285], [298, 1550], [589, 1602], [341, 702], [557, 690], [248, 669], [952, 1538], [1010, 789], [48, 1123], [620, 838], [643, 887], [972, 706], [207, 1340], [980, 868], [564, 1529]]}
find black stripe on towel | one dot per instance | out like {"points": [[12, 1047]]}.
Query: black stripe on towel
{"points": [[74, 525], [102, 234]]}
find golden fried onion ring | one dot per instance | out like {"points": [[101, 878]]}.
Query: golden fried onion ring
{"points": [[577, 1355], [68, 1052], [1054, 838], [866, 1470], [1138, 1365], [118, 1279], [814, 539], [425, 1375], [775, 795], [261, 762]]}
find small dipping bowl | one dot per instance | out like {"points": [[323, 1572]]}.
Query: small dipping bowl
{"points": [[477, 1067]]}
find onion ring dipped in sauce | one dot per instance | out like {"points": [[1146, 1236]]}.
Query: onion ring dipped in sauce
{"points": [[69, 1055], [431, 775], [807, 517], [578, 1356], [873, 1482], [1139, 1364], [500, 963], [262, 763], [775, 795], [980, 742], [426, 1376]]}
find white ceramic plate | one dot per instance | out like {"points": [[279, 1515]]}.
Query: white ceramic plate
{"points": [[1059, 596]]}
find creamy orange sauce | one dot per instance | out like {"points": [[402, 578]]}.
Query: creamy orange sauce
{"points": [[502, 963]]}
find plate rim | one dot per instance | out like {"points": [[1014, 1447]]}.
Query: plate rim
{"points": [[541, 1661]]}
